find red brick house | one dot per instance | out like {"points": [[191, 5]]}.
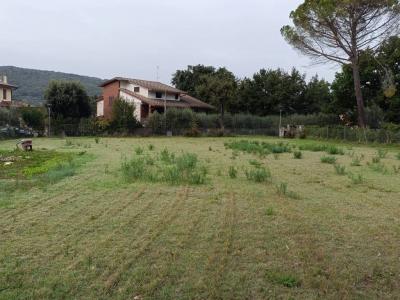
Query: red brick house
{"points": [[146, 96]]}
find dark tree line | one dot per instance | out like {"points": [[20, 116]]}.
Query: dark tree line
{"points": [[268, 92]]}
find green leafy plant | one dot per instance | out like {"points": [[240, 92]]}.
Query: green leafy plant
{"points": [[151, 147]]}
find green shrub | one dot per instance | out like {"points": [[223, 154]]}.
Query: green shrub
{"points": [[151, 147], [232, 172], [97, 140], [398, 156], [297, 155], [258, 175], [328, 160]]}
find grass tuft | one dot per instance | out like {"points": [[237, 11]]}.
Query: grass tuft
{"points": [[258, 175], [382, 153], [355, 178], [297, 155], [176, 170], [328, 160], [339, 169], [232, 172], [285, 280]]}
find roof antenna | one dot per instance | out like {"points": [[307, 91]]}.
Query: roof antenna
{"points": [[158, 73]]}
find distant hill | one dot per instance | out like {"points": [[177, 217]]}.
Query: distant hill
{"points": [[32, 83]]}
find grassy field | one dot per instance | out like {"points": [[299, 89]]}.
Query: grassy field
{"points": [[222, 218]]}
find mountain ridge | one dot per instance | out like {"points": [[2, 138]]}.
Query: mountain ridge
{"points": [[32, 83]]}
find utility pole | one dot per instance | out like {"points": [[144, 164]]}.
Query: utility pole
{"points": [[280, 122]]}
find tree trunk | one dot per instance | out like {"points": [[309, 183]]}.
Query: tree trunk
{"points": [[221, 120], [359, 95]]}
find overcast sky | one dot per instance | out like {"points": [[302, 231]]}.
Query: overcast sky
{"points": [[131, 38]]}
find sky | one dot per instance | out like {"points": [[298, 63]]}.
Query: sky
{"points": [[130, 38]]}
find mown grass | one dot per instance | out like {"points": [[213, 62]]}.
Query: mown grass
{"points": [[303, 233]]}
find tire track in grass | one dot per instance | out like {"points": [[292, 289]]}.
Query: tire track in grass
{"points": [[218, 260], [181, 245], [109, 213], [67, 193], [107, 239], [111, 281]]}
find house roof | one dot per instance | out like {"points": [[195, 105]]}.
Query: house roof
{"points": [[185, 102], [151, 85], [7, 85], [194, 102]]}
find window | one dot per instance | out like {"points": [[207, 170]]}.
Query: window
{"points": [[136, 89], [4, 94], [110, 101], [159, 95], [176, 96]]}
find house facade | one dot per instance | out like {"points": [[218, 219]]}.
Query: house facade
{"points": [[146, 96], [6, 91]]}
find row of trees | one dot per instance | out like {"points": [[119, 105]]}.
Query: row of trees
{"points": [[353, 33], [268, 92]]}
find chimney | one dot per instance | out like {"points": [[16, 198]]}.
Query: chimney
{"points": [[3, 78]]}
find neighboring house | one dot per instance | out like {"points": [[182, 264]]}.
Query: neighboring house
{"points": [[146, 96], [6, 90]]}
